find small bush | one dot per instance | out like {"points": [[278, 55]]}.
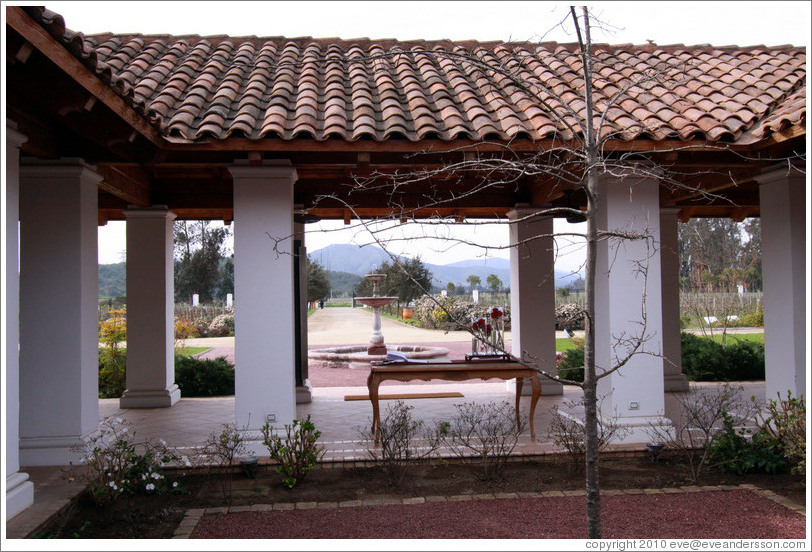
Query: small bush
{"points": [[740, 451], [753, 319], [297, 453], [119, 465], [402, 440], [571, 366], [785, 422], [221, 326], [488, 431], [112, 372], [204, 377]]}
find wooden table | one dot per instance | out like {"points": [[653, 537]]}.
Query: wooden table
{"points": [[456, 370]]}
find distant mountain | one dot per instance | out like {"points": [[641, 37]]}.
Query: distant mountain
{"points": [[362, 260], [113, 280], [350, 258]]}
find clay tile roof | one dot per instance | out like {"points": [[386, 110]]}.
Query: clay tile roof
{"points": [[197, 88]]}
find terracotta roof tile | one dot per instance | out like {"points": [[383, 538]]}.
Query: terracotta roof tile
{"points": [[217, 87]]}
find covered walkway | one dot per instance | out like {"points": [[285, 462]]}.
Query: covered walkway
{"points": [[191, 420]]}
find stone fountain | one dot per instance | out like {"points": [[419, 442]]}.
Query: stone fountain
{"points": [[376, 344], [359, 356]]}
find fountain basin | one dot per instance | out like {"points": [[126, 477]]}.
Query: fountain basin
{"points": [[376, 302], [357, 357]]}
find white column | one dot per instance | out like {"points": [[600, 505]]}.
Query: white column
{"points": [[782, 195], [634, 395], [19, 490], [532, 294], [150, 310], [59, 295], [673, 378], [264, 298]]}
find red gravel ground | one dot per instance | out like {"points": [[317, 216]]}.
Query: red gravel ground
{"points": [[738, 514]]}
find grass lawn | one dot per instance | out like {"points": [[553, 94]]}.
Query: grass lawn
{"points": [[731, 338], [189, 351]]}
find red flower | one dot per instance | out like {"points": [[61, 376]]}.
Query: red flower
{"points": [[488, 329], [496, 313]]}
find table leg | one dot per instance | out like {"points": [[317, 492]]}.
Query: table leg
{"points": [[372, 386], [533, 400], [519, 385]]}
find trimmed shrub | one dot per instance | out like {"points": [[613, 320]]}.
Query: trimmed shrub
{"points": [[706, 360], [204, 378], [571, 366], [112, 372]]}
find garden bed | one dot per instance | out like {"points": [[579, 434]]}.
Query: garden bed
{"points": [[158, 516]]}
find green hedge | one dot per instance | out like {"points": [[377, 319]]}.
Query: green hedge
{"points": [[702, 360], [204, 378], [706, 360]]}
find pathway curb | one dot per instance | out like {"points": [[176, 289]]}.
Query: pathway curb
{"points": [[193, 517]]}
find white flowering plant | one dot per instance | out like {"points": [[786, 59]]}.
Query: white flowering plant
{"points": [[118, 465]]}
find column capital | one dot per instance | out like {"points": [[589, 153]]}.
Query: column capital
{"points": [[780, 173], [155, 211], [522, 210], [14, 137], [282, 171], [62, 168]]}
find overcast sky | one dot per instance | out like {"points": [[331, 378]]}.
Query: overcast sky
{"points": [[717, 23]]}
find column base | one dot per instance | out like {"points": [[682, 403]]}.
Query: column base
{"points": [[161, 398], [675, 383], [304, 393], [19, 494], [53, 451], [548, 387], [638, 429]]}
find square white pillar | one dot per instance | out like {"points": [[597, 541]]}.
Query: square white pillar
{"points": [[532, 294], [59, 295], [150, 310], [782, 196], [673, 378], [19, 490], [634, 395], [265, 353]]}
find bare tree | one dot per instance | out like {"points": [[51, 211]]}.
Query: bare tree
{"points": [[575, 164]]}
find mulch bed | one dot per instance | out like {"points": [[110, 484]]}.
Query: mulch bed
{"points": [[738, 514]]}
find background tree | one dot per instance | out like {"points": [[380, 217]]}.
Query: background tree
{"points": [[318, 283], [199, 251], [494, 283], [720, 254], [451, 288], [407, 279], [474, 281]]}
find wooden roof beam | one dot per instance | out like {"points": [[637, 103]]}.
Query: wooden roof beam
{"points": [[56, 52], [129, 184]]}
